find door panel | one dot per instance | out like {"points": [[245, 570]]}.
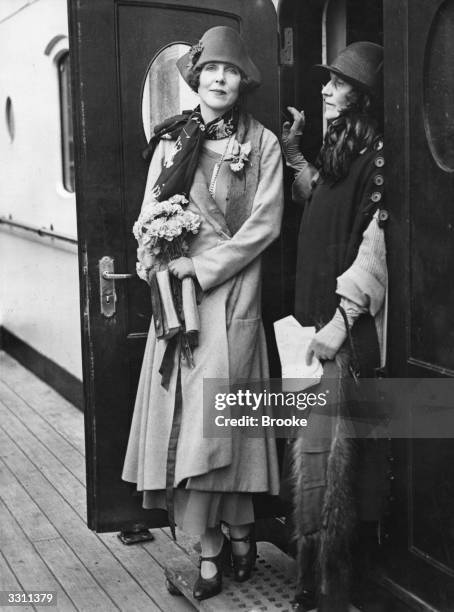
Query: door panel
{"points": [[431, 188], [112, 45], [419, 132]]}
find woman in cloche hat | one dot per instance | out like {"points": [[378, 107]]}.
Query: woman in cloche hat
{"points": [[229, 167], [341, 281]]}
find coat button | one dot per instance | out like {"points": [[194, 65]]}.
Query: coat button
{"points": [[379, 145], [383, 215], [379, 180], [380, 162], [376, 196]]}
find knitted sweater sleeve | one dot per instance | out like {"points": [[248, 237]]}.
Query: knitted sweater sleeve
{"points": [[364, 282]]}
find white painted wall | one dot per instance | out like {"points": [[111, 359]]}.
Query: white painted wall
{"points": [[8, 8], [39, 291]]}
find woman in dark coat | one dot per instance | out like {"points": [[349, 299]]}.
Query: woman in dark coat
{"points": [[341, 281], [229, 166]]}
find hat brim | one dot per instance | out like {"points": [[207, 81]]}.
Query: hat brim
{"points": [[345, 77]]}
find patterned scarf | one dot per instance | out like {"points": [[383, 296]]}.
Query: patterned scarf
{"points": [[190, 130]]}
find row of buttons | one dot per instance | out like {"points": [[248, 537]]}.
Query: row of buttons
{"points": [[379, 181]]}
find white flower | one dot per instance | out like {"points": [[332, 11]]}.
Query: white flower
{"points": [[178, 199], [191, 221], [160, 224], [141, 271], [136, 230], [237, 166]]}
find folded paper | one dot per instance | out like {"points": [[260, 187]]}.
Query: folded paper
{"points": [[292, 342]]}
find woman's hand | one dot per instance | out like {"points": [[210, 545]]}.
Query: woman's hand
{"points": [[182, 267], [292, 132], [327, 341], [291, 136]]}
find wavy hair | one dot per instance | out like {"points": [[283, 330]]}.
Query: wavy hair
{"points": [[193, 79], [354, 130]]}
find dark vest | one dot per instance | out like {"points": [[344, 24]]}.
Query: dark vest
{"points": [[331, 230]]}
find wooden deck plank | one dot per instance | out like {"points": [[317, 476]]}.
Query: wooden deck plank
{"points": [[57, 411], [71, 489], [80, 585], [190, 544], [21, 505], [25, 562], [8, 582], [164, 547], [146, 571], [96, 557], [72, 459]]}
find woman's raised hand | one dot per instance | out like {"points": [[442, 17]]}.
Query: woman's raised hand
{"points": [[292, 132], [182, 267], [291, 136]]}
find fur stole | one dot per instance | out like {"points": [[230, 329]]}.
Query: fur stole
{"points": [[324, 471]]}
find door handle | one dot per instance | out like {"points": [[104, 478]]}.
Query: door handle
{"points": [[107, 278], [112, 276]]}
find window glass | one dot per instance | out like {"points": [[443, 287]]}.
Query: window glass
{"points": [[165, 92], [67, 134], [9, 115], [439, 87]]}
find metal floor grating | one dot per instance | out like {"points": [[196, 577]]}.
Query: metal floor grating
{"points": [[270, 589]]}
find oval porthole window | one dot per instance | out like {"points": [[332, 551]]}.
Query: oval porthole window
{"points": [[9, 115], [439, 87], [165, 92]]}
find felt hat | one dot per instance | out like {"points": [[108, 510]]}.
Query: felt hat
{"points": [[360, 64], [220, 44]]}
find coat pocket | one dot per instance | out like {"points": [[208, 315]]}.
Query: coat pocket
{"points": [[309, 487], [244, 348]]}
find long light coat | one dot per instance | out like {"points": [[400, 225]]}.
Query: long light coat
{"points": [[231, 346]]}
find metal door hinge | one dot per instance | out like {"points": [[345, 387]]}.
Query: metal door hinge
{"points": [[287, 58]]}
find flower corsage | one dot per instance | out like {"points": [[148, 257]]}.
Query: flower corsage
{"points": [[240, 155]]}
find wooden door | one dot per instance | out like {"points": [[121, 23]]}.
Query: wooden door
{"points": [[113, 43], [419, 135]]}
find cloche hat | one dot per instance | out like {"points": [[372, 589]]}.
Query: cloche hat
{"points": [[220, 44], [360, 64]]}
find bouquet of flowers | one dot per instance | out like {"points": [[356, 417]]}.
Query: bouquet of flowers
{"points": [[161, 231]]}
